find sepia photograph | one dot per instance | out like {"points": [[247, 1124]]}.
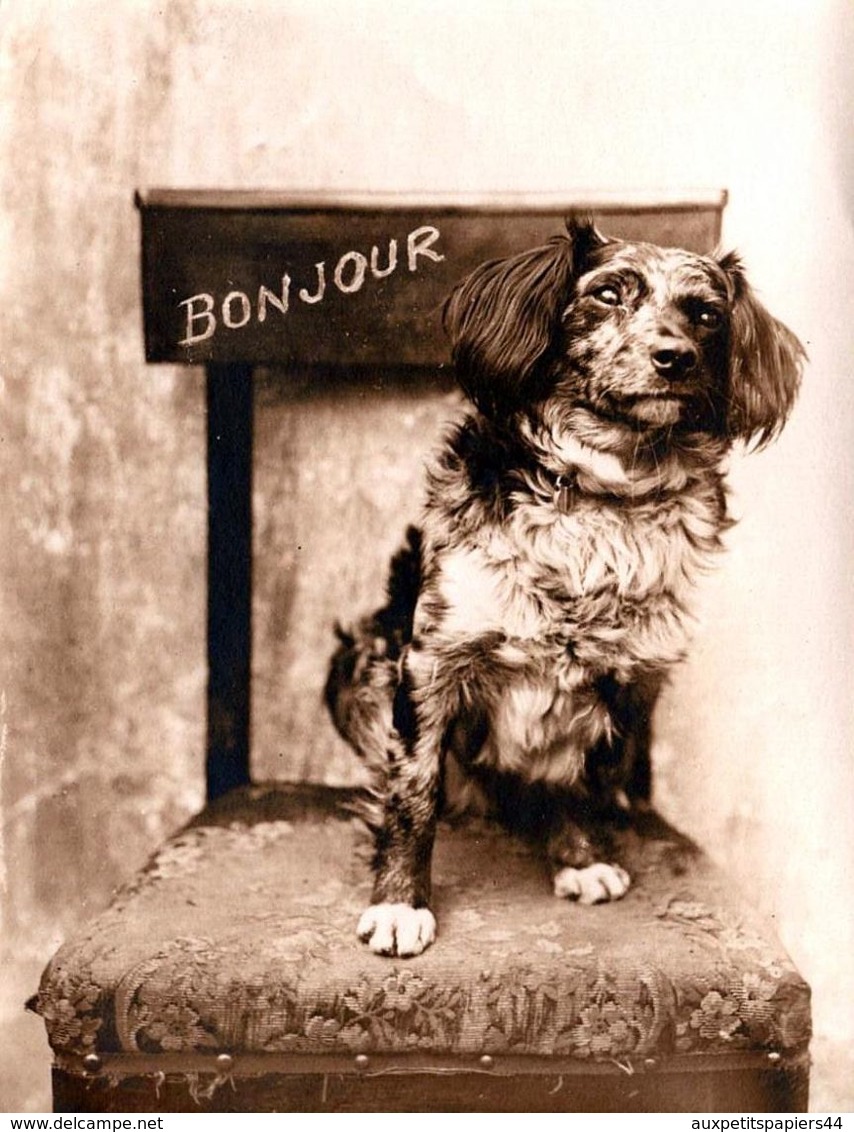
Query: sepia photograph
{"points": [[427, 455]]}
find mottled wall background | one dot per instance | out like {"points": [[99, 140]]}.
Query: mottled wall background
{"points": [[101, 457]]}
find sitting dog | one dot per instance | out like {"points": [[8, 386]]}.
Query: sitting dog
{"points": [[533, 617]]}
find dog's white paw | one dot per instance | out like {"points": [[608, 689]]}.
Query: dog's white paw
{"points": [[594, 884], [397, 929]]}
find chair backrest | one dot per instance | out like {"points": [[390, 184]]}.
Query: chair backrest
{"points": [[269, 278], [343, 296]]}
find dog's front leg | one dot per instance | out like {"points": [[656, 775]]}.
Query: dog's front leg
{"points": [[399, 920]]}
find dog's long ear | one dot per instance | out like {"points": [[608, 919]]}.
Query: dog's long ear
{"points": [[765, 364], [502, 319]]}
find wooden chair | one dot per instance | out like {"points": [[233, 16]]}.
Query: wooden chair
{"points": [[226, 976]]}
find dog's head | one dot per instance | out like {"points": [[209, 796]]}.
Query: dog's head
{"points": [[644, 337]]}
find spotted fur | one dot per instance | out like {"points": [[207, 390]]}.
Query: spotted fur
{"points": [[534, 616]]}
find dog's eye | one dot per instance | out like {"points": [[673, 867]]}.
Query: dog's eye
{"points": [[709, 317], [609, 295]]}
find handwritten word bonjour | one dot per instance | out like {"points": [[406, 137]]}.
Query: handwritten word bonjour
{"points": [[348, 276]]}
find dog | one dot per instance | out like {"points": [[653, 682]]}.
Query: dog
{"points": [[533, 617]]}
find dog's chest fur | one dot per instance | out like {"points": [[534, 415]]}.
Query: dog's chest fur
{"points": [[568, 595], [604, 585]]}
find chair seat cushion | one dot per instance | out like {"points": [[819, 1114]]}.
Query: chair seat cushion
{"points": [[239, 935]]}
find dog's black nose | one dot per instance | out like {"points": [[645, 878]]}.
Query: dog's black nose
{"points": [[675, 359]]}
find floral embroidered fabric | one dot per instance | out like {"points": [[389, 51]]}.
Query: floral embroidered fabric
{"points": [[239, 936]]}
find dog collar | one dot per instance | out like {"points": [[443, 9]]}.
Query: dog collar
{"points": [[603, 467], [567, 488]]}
